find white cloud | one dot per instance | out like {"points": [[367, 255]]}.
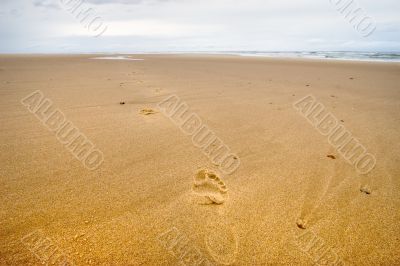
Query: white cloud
{"points": [[154, 28]]}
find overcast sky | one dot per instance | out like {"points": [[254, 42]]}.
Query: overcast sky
{"points": [[50, 26]]}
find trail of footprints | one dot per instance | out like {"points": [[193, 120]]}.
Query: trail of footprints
{"points": [[144, 111], [208, 188]]}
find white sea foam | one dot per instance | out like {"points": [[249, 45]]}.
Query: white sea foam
{"points": [[117, 57], [353, 56]]}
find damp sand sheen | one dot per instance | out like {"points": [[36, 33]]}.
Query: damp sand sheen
{"points": [[157, 199]]}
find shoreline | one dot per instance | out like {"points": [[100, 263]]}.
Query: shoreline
{"points": [[217, 54]]}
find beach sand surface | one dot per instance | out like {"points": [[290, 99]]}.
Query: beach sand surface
{"points": [[148, 203]]}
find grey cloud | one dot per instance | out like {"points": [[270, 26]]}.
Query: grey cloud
{"points": [[126, 2], [15, 12], [46, 4]]}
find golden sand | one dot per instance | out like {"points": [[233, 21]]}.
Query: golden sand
{"points": [[157, 199]]}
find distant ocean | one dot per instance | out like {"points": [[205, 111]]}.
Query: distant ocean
{"points": [[355, 56]]}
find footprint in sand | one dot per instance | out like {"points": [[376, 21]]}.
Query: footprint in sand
{"points": [[209, 187], [365, 189], [301, 223], [222, 243], [147, 112]]}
